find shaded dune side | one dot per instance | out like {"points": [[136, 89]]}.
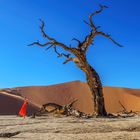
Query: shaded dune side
{"points": [[135, 92], [11, 104], [67, 92]]}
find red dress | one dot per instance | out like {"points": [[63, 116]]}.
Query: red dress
{"points": [[22, 111]]}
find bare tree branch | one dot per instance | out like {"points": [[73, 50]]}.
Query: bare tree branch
{"points": [[61, 54], [76, 40], [49, 47], [67, 56], [95, 13], [58, 54], [75, 60], [86, 22], [67, 60], [87, 41], [90, 38], [39, 44], [43, 32], [79, 43], [124, 109], [52, 42], [109, 37]]}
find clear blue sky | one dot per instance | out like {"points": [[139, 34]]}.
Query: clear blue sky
{"points": [[21, 65]]}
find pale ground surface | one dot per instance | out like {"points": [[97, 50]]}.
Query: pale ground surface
{"points": [[68, 128]]}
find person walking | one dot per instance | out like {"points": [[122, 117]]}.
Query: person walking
{"points": [[23, 109]]}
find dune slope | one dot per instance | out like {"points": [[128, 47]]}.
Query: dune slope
{"points": [[11, 104], [66, 92]]}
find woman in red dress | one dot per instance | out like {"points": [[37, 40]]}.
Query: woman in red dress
{"points": [[23, 109]]}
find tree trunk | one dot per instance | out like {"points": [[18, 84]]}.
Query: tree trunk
{"points": [[94, 82]]}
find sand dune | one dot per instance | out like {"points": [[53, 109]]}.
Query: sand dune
{"points": [[11, 104], [126, 96], [66, 92]]}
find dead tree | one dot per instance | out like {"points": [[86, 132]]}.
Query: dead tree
{"points": [[66, 110], [78, 56]]}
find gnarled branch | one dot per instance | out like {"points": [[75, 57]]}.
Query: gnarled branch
{"points": [[94, 32], [76, 40], [67, 60], [43, 31], [61, 54], [67, 56], [51, 42], [88, 40], [109, 37], [39, 44], [95, 13]]}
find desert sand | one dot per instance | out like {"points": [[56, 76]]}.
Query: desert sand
{"points": [[11, 99], [69, 128]]}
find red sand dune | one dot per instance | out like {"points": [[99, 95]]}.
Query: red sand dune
{"points": [[67, 92], [128, 97]]}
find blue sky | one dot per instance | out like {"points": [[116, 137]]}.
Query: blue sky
{"points": [[21, 65]]}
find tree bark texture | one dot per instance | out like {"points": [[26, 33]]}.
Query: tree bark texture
{"points": [[94, 83]]}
